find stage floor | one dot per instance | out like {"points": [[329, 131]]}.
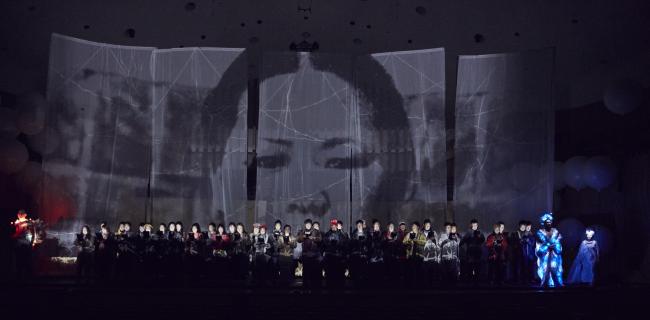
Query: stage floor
{"points": [[63, 298]]}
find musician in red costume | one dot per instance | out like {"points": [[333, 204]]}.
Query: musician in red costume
{"points": [[23, 238]]}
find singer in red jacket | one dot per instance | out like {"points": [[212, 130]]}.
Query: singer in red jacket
{"points": [[497, 246]]}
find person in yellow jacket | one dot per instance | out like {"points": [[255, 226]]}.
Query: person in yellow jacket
{"points": [[414, 242]]}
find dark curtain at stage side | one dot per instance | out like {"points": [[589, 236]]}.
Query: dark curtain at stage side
{"points": [[99, 133], [303, 144], [351, 137], [504, 138], [199, 134], [399, 167]]}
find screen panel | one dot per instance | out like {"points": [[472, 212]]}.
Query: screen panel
{"points": [[303, 144], [503, 154], [400, 169], [199, 135], [99, 140]]}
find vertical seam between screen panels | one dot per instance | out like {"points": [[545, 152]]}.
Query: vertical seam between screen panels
{"points": [[149, 194]]}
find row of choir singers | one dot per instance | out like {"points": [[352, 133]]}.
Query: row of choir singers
{"points": [[415, 252]]}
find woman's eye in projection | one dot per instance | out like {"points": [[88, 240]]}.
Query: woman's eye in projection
{"points": [[275, 161], [357, 161]]}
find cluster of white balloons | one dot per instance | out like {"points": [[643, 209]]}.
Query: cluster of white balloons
{"points": [[29, 118], [580, 172]]}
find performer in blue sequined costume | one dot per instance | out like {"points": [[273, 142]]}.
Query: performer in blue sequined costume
{"points": [[549, 253]]}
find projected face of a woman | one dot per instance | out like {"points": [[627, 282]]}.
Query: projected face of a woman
{"points": [[322, 162], [308, 146]]}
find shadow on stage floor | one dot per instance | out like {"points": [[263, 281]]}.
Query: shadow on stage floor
{"points": [[62, 298]]}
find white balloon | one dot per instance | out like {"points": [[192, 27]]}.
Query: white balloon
{"points": [[13, 156], [623, 96], [31, 116], [8, 128], [573, 171], [599, 172], [558, 182]]}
